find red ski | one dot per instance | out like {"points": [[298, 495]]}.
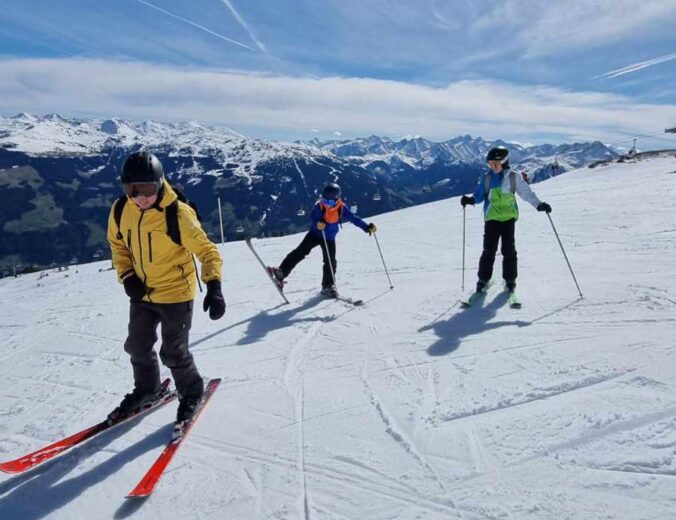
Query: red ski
{"points": [[38, 457], [147, 484]]}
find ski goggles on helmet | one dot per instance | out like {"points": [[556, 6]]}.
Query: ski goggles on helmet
{"points": [[329, 202], [141, 189], [495, 163]]}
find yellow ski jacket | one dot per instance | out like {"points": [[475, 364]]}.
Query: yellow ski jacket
{"points": [[145, 249]]}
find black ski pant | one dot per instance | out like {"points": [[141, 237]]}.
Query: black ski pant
{"points": [[495, 231], [176, 319], [309, 242]]}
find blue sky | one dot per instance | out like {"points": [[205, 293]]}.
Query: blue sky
{"points": [[524, 70]]}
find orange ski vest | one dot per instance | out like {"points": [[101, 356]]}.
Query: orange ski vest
{"points": [[332, 214]]}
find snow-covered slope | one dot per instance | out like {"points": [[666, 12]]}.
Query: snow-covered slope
{"points": [[405, 408]]}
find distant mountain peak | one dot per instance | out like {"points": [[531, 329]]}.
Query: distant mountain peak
{"points": [[53, 133]]}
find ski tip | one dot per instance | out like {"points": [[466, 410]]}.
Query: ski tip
{"points": [[138, 495]]}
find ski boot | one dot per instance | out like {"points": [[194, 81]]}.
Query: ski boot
{"points": [[187, 407], [135, 401], [277, 276], [330, 291], [481, 286], [510, 286]]}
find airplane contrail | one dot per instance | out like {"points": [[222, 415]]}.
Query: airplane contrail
{"points": [[32, 40], [185, 20], [241, 21], [636, 66]]}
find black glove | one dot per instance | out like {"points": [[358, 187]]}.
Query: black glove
{"points": [[467, 199], [371, 229], [214, 301], [543, 206], [134, 287]]}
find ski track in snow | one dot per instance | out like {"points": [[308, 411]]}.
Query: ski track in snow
{"points": [[395, 433], [407, 407], [545, 393]]}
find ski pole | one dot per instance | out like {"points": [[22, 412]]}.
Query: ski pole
{"points": [[463, 249], [328, 258], [383, 259], [564, 255]]}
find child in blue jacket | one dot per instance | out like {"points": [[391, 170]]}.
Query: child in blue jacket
{"points": [[326, 218]]}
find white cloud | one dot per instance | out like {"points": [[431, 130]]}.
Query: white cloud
{"points": [[358, 106], [337, 133], [543, 28]]}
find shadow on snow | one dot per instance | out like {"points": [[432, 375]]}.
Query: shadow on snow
{"points": [[46, 489], [466, 323]]}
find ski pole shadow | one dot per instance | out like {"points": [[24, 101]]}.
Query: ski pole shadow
{"points": [[557, 311], [45, 489], [466, 323], [353, 308], [264, 322]]}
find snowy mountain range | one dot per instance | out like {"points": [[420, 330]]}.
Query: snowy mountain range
{"points": [[54, 134], [420, 153], [405, 408], [58, 177]]}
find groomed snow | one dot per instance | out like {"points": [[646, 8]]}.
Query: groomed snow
{"points": [[405, 408]]}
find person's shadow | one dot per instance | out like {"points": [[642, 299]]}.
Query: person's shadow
{"points": [[45, 489], [260, 324], [467, 322], [264, 322]]}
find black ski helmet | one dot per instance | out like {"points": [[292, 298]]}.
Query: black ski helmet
{"points": [[331, 191], [141, 167], [499, 153]]}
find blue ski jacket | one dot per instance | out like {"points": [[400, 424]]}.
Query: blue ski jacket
{"points": [[332, 229]]}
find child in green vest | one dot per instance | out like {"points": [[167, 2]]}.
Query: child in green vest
{"points": [[497, 189]]}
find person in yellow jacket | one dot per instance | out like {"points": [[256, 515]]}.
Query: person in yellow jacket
{"points": [[159, 276]]}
